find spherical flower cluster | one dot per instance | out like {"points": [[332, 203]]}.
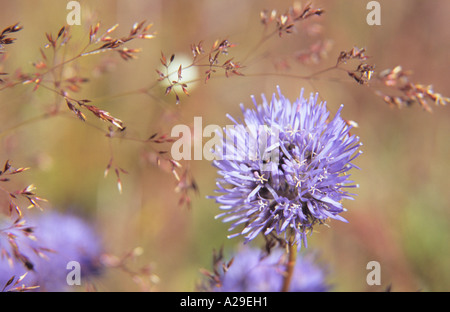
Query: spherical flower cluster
{"points": [[252, 271], [293, 176], [59, 240]]}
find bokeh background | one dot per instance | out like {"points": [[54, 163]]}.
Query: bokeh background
{"points": [[401, 215]]}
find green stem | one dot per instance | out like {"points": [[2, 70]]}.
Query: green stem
{"points": [[26, 122], [290, 265]]}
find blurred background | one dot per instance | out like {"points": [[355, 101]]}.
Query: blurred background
{"points": [[401, 214]]}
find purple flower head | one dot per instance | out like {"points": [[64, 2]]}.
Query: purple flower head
{"points": [[253, 271], [285, 168], [59, 239]]}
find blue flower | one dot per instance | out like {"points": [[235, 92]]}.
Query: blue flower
{"points": [[58, 239], [284, 168], [253, 271]]}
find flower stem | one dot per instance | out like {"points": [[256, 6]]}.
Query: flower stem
{"points": [[290, 265]]}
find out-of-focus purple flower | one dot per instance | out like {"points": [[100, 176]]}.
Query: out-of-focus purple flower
{"points": [[60, 239], [285, 168], [253, 271]]}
